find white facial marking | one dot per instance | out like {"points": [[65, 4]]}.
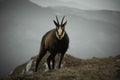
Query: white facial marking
{"points": [[59, 30], [61, 36]]}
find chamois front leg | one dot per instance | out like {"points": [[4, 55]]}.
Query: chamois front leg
{"points": [[61, 58], [53, 62], [49, 59]]}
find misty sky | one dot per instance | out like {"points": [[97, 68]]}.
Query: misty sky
{"points": [[82, 4], [93, 27]]}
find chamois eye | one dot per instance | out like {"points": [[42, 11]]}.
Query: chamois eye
{"points": [[57, 27], [62, 27]]}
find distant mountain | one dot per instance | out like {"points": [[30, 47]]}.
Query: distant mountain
{"points": [[95, 31], [72, 68], [107, 16]]}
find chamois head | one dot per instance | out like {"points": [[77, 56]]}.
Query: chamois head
{"points": [[60, 28]]}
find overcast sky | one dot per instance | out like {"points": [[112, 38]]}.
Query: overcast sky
{"points": [[23, 23], [82, 4]]}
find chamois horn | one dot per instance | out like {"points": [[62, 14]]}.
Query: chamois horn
{"points": [[57, 20], [62, 20]]}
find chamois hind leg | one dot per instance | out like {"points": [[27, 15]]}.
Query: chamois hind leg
{"points": [[61, 58], [41, 55]]}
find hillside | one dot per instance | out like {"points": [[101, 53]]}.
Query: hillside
{"points": [[73, 69]]}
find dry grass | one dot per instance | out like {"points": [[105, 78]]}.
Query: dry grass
{"points": [[76, 69]]}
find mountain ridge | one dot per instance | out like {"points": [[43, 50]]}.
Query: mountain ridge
{"points": [[73, 69]]}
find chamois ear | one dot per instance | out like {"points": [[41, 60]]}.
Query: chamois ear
{"points": [[64, 23], [56, 23]]}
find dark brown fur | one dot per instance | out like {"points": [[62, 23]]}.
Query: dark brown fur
{"points": [[52, 44]]}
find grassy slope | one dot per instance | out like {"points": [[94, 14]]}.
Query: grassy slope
{"points": [[77, 69]]}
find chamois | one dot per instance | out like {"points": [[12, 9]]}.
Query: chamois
{"points": [[54, 41]]}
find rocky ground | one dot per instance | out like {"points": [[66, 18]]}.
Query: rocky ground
{"points": [[72, 69]]}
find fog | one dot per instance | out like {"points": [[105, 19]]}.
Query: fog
{"points": [[93, 33], [81, 4]]}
